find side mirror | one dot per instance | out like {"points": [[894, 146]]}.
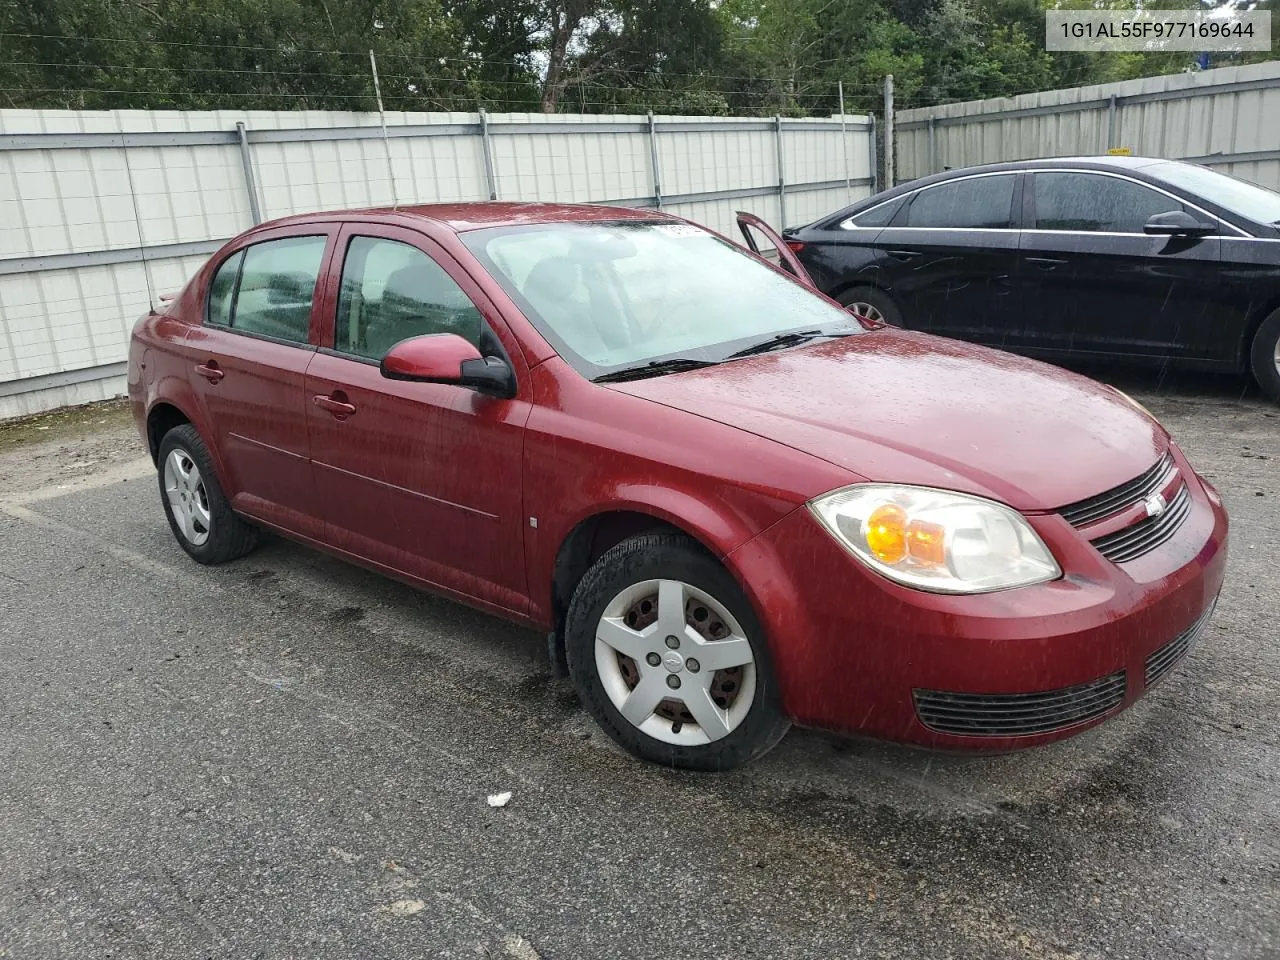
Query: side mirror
{"points": [[448, 358], [1178, 223]]}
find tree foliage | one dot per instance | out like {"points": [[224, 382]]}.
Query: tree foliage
{"points": [[768, 57]]}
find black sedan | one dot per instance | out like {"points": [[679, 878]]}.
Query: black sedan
{"points": [[1150, 261]]}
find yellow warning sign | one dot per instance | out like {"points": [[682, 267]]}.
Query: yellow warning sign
{"points": [[1120, 152]]}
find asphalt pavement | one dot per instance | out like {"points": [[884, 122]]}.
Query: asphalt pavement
{"points": [[290, 757]]}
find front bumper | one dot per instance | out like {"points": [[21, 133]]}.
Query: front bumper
{"points": [[856, 653]]}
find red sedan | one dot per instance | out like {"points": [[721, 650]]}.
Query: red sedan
{"points": [[732, 504]]}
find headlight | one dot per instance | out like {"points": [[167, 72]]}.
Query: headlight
{"points": [[934, 539]]}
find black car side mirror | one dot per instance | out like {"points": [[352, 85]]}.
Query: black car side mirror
{"points": [[1178, 223]]}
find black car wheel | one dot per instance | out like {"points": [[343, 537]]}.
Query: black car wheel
{"points": [[1266, 356], [872, 303]]}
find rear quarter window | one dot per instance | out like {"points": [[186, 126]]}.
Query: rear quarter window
{"points": [[878, 216], [222, 290]]}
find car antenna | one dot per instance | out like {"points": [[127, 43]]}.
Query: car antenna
{"points": [[386, 140], [137, 219]]}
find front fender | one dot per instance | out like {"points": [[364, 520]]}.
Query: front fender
{"points": [[711, 522]]}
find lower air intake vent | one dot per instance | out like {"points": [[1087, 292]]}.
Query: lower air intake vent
{"points": [[1162, 661], [1018, 714]]}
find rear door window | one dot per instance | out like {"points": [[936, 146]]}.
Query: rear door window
{"points": [[272, 290], [984, 203], [1095, 203]]}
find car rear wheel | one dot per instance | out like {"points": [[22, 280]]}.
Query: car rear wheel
{"points": [[668, 657], [872, 303], [199, 515], [1266, 356]]}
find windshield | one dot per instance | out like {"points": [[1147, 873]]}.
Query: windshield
{"points": [[1241, 197], [615, 295]]}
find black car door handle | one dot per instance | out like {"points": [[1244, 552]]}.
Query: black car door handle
{"points": [[1046, 263], [903, 254]]}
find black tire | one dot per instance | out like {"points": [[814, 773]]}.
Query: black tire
{"points": [[876, 298], [669, 556], [1265, 356], [228, 536]]}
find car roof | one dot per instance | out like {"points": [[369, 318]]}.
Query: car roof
{"points": [[1011, 166], [475, 215]]}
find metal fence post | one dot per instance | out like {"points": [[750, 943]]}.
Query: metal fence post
{"points": [[888, 131], [782, 180], [873, 159], [1111, 122], [653, 160], [250, 182], [933, 148], [487, 146], [844, 144]]}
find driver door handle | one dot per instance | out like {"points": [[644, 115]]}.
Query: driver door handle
{"points": [[210, 371], [336, 404], [903, 254]]}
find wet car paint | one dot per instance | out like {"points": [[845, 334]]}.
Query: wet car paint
{"points": [[729, 455]]}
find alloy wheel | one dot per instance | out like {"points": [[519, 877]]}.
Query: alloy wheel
{"points": [[675, 662], [188, 499], [867, 310]]}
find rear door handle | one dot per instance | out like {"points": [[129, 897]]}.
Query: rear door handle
{"points": [[903, 254], [210, 371], [335, 404], [1046, 263]]}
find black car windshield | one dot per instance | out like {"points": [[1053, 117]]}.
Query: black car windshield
{"points": [[613, 295], [1240, 197]]}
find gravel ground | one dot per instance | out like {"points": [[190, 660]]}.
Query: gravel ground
{"points": [[289, 757]]}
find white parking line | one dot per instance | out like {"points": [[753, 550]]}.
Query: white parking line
{"points": [[132, 557], [132, 470]]}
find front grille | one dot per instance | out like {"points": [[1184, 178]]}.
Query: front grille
{"points": [[1145, 535], [1018, 714], [1084, 512], [1162, 661]]}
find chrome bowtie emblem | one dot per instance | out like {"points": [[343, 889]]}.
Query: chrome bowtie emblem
{"points": [[1155, 505]]}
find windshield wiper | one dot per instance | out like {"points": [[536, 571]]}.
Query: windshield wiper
{"points": [[780, 341], [654, 369]]}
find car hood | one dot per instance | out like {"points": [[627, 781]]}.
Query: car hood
{"points": [[891, 405]]}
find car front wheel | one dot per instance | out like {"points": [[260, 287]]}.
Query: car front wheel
{"points": [[199, 514], [668, 657]]}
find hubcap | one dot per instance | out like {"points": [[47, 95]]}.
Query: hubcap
{"points": [[868, 311], [675, 662], [1277, 356], [188, 499]]}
